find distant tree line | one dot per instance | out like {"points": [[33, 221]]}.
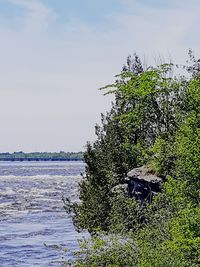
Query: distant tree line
{"points": [[41, 156]]}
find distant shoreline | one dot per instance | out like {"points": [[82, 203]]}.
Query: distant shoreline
{"points": [[28, 160], [42, 156]]}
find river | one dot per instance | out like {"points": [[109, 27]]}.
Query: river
{"points": [[34, 227]]}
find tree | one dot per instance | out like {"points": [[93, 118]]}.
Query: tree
{"points": [[155, 121], [148, 105]]}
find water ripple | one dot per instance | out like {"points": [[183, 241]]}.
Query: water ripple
{"points": [[32, 214]]}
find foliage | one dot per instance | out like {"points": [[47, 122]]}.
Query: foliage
{"points": [[154, 120]]}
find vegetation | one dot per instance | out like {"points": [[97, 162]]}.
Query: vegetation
{"points": [[41, 156], [154, 121]]}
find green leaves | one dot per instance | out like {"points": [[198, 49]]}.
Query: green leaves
{"points": [[154, 120]]}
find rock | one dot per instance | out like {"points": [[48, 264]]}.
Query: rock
{"points": [[142, 184], [142, 173]]}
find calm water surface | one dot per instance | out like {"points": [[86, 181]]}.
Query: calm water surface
{"points": [[33, 224]]}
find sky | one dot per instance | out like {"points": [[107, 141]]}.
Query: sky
{"points": [[55, 54]]}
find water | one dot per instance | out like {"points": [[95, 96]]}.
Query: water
{"points": [[34, 227]]}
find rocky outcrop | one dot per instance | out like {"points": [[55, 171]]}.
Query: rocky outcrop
{"points": [[141, 184]]}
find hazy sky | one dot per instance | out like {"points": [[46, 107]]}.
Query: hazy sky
{"points": [[55, 54]]}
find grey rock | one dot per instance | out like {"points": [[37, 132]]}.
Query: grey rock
{"points": [[142, 173], [142, 184]]}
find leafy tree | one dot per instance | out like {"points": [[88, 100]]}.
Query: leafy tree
{"points": [[148, 105], [154, 120]]}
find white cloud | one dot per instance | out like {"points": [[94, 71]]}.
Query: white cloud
{"points": [[38, 15]]}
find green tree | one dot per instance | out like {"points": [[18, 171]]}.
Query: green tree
{"points": [[148, 105], [155, 120]]}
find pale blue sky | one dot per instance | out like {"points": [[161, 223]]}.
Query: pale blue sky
{"points": [[89, 11], [55, 54]]}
